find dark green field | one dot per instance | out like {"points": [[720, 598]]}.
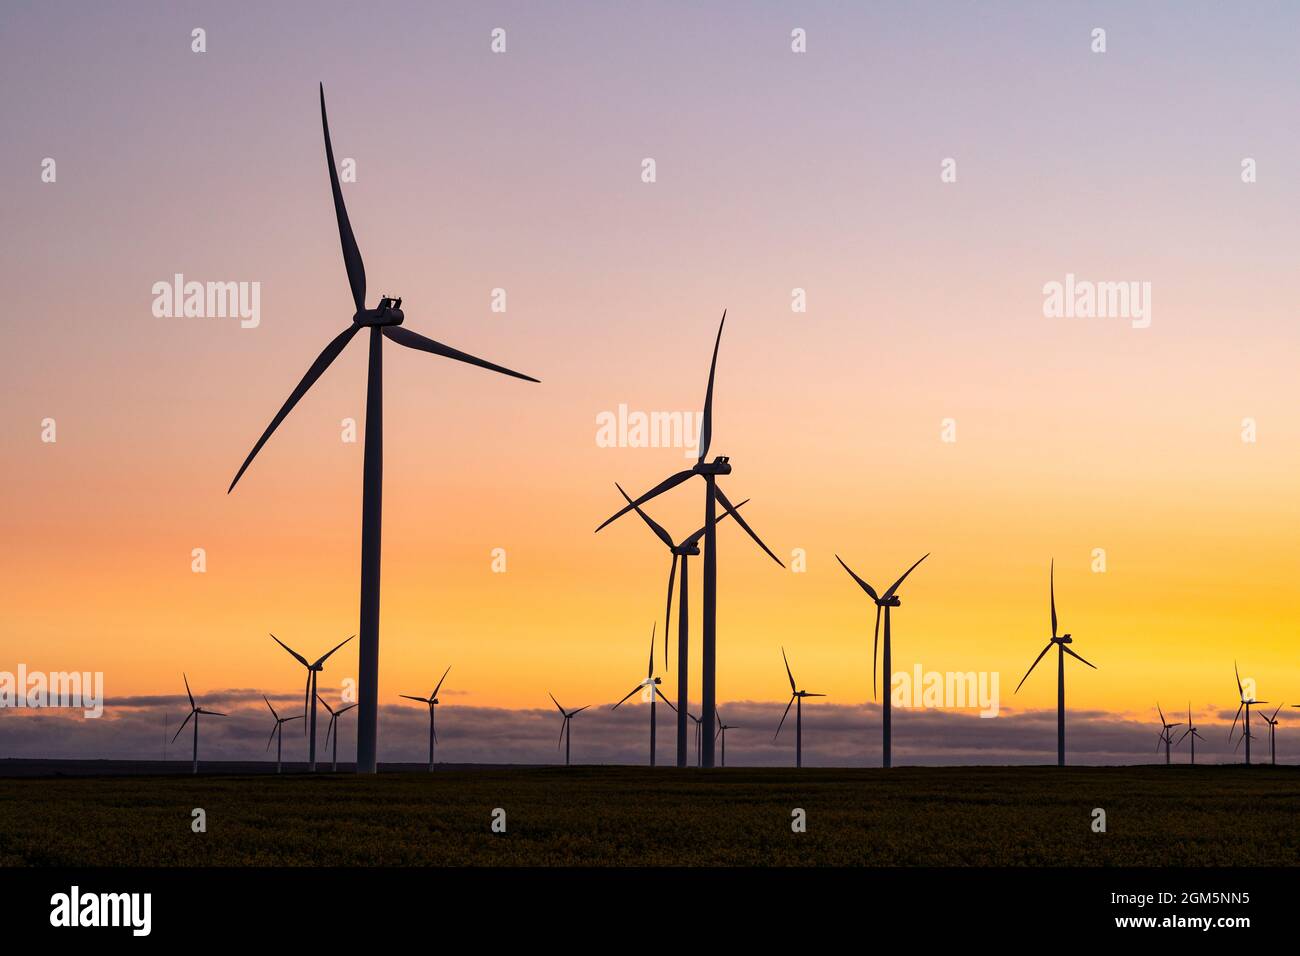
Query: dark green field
{"points": [[627, 816]]}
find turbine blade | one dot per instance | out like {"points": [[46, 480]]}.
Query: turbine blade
{"points": [[861, 583], [894, 587], [423, 700], [344, 710], [665, 700], [1180, 739], [183, 723], [1234, 721], [629, 694], [440, 680], [269, 707], [668, 610], [564, 725], [650, 671], [351, 254], [272, 737], [296, 656], [1077, 657], [211, 713], [783, 717], [667, 483], [1160, 712], [663, 535], [557, 703], [695, 538], [706, 428], [579, 710], [1033, 665], [875, 649], [414, 340], [331, 651], [187, 689], [731, 510], [318, 367], [1271, 719], [329, 729], [306, 700], [325, 704], [1052, 588], [787, 671]]}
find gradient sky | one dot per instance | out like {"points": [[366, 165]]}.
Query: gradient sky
{"points": [[775, 171]]}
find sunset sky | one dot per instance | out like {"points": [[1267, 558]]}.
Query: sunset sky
{"points": [[775, 171]]}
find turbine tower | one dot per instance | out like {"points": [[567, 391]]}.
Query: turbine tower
{"points": [[686, 549], [1272, 735], [566, 735], [796, 700], [195, 711], [888, 601], [277, 734], [384, 322], [310, 696], [650, 688], [432, 701], [1062, 650], [713, 496]]}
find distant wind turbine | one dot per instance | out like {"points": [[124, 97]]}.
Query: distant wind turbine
{"points": [[796, 701], [1272, 735], [722, 732], [1246, 704], [687, 548], [310, 696], [1166, 737], [195, 711], [277, 734], [432, 702], [888, 601], [699, 759], [1062, 650], [385, 321], [651, 686], [1192, 732], [333, 727], [566, 735], [713, 496]]}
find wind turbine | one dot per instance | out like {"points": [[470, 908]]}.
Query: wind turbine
{"points": [[310, 696], [1062, 650], [796, 701], [651, 686], [1192, 732], [384, 321], [195, 711], [333, 727], [722, 732], [888, 601], [698, 758], [1166, 737], [688, 548], [432, 701], [277, 734], [566, 735], [1246, 704], [1272, 735], [713, 495]]}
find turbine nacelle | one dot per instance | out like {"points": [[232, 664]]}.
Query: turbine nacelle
{"points": [[1063, 639], [892, 600], [389, 312], [719, 466]]}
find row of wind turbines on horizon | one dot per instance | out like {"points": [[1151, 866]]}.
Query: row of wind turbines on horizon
{"points": [[385, 322]]}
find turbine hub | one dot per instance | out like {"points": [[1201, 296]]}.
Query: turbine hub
{"points": [[719, 466]]}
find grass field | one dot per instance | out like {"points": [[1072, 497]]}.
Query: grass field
{"points": [[627, 816]]}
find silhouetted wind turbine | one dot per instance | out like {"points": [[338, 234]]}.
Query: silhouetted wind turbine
{"points": [[333, 727], [1062, 650], [385, 321], [566, 735], [277, 734], [686, 549], [1272, 735], [650, 685], [796, 701], [698, 758], [195, 711], [722, 732], [1246, 704], [1166, 737], [713, 494], [310, 696], [1192, 732], [888, 601], [432, 701]]}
